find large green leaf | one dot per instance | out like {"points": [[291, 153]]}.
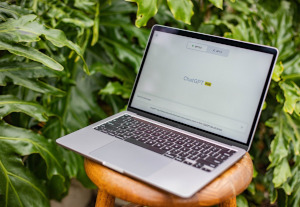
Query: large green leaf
{"points": [[287, 131], [9, 104], [125, 53], [112, 71], [277, 72], [182, 10], [279, 145], [26, 74], [30, 53], [282, 172], [291, 94], [294, 200], [28, 29], [217, 3], [115, 88], [12, 11], [146, 10], [139, 33], [116, 7], [19, 186]]}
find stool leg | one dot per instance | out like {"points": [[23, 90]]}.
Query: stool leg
{"points": [[229, 203], [104, 199]]}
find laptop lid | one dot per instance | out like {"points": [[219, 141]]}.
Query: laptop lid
{"points": [[208, 85]]}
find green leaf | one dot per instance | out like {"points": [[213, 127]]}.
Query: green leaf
{"points": [[31, 53], [125, 53], [277, 72], [251, 188], [182, 10], [24, 74], [86, 5], [146, 10], [294, 199], [19, 186], [217, 3], [28, 29], [114, 71], [282, 172], [241, 201], [12, 10], [96, 25], [273, 194], [279, 145], [139, 33], [292, 95], [115, 88], [293, 124], [9, 104]]}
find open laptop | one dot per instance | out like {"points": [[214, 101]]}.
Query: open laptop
{"points": [[192, 113]]}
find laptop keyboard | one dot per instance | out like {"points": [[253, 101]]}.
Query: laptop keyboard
{"points": [[175, 145]]}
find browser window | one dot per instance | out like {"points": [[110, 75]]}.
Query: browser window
{"points": [[207, 85]]}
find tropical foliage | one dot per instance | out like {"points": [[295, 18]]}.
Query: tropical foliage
{"points": [[65, 64]]}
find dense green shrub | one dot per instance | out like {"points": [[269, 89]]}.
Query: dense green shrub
{"points": [[65, 64]]}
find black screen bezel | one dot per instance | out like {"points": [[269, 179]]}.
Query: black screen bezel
{"points": [[216, 39]]}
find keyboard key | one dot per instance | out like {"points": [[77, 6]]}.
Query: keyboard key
{"points": [[184, 154], [170, 155], [169, 143], [188, 145], [160, 140], [176, 151], [167, 148], [151, 142], [179, 158], [177, 146], [171, 139], [198, 165], [185, 149], [158, 145]]}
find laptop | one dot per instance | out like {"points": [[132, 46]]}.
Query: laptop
{"points": [[192, 113]]}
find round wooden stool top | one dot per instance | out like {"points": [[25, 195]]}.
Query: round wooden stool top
{"points": [[229, 184]]}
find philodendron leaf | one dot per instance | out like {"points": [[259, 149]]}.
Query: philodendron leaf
{"points": [[146, 10], [182, 10], [277, 72], [279, 145], [282, 172], [12, 10], [125, 53], [287, 130], [28, 29], [31, 53], [19, 186], [25, 74], [217, 3], [9, 104], [291, 94], [115, 88]]}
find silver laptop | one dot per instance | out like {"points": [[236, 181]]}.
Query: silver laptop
{"points": [[192, 113]]}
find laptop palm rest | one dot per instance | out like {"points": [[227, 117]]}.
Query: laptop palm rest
{"points": [[130, 158]]}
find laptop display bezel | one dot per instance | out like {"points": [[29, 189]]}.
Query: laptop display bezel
{"points": [[215, 39]]}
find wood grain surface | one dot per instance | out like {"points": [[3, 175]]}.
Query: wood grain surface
{"points": [[225, 187]]}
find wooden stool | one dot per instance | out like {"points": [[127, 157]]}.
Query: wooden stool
{"points": [[223, 190]]}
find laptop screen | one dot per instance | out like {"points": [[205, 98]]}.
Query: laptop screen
{"points": [[204, 84]]}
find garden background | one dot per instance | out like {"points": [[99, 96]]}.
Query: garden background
{"points": [[66, 64]]}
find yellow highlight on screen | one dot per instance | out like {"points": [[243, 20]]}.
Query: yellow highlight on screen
{"points": [[207, 83]]}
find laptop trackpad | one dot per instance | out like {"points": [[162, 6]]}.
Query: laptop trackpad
{"points": [[130, 158]]}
